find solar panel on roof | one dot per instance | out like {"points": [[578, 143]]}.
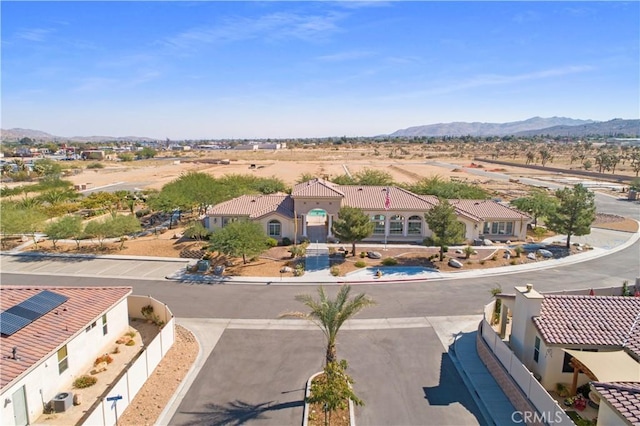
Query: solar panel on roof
{"points": [[24, 313], [49, 299], [10, 323], [35, 307], [21, 311]]}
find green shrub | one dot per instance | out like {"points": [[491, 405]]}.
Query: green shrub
{"points": [[494, 257], [84, 382], [429, 242], [389, 261], [518, 250], [142, 212], [335, 271], [130, 342], [360, 264], [286, 241], [95, 166], [363, 255], [272, 242], [513, 262]]}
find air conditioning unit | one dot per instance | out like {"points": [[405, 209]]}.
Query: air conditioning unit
{"points": [[62, 401]]}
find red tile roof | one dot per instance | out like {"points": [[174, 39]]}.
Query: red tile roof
{"points": [[52, 330], [624, 397], [317, 188], [373, 198], [591, 320], [488, 209], [255, 206]]}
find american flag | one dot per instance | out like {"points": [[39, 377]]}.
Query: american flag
{"points": [[387, 200]]}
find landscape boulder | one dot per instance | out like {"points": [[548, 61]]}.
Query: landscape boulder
{"points": [[487, 242], [545, 253], [374, 255], [455, 263], [531, 256]]}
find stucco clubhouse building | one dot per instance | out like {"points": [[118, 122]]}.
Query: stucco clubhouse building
{"points": [[309, 211]]}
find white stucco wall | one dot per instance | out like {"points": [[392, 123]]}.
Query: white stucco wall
{"points": [[523, 332], [607, 416]]}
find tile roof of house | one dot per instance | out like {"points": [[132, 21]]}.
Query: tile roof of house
{"points": [[488, 209], [373, 198], [317, 188], [624, 397], [591, 320], [52, 330], [255, 206]]}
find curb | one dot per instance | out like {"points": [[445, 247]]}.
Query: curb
{"points": [[305, 412]]}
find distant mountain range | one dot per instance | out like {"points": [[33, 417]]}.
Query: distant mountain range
{"points": [[536, 126], [554, 126], [37, 135]]}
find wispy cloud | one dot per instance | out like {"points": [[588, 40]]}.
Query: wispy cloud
{"points": [[34, 34], [485, 80], [111, 84], [346, 56], [272, 26]]}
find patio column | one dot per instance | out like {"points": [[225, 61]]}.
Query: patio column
{"points": [[329, 233], [574, 383], [504, 311], [304, 225]]}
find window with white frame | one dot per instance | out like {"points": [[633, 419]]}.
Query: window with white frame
{"points": [[414, 225], [63, 359], [498, 228], [396, 225], [104, 325], [378, 221], [274, 228], [536, 349]]}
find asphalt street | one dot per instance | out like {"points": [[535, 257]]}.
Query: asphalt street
{"points": [[254, 372]]}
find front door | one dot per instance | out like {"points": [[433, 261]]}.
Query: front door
{"points": [[19, 401]]}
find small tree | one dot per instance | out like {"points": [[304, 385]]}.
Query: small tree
{"points": [[242, 238], [538, 204], [575, 212], [333, 389], [443, 222], [352, 225], [65, 227], [330, 315]]}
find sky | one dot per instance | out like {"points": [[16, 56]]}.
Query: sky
{"points": [[286, 69]]}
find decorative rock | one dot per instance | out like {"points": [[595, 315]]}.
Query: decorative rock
{"points": [[508, 242], [458, 251], [99, 368], [487, 242], [374, 255], [545, 253], [455, 263], [285, 269], [531, 256], [77, 399]]}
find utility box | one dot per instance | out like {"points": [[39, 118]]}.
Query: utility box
{"points": [[62, 402]]}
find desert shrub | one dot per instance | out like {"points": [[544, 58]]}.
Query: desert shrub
{"points": [[468, 251], [482, 262], [286, 241], [360, 264], [335, 271], [494, 257], [389, 261], [518, 250], [513, 262], [130, 342], [142, 212], [104, 358], [429, 242], [95, 165], [84, 382], [363, 255], [272, 242]]}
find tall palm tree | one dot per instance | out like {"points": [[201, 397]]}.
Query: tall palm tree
{"points": [[330, 315]]}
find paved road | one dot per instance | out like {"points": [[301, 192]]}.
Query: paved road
{"points": [[255, 375]]}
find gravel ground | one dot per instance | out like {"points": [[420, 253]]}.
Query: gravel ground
{"points": [[163, 382]]}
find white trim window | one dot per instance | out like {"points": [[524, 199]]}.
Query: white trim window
{"points": [[396, 225], [63, 359], [498, 228], [414, 225], [274, 228], [378, 220]]}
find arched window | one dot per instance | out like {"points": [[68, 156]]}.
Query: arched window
{"points": [[414, 225], [274, 228], [396, 224], [378, 220]]}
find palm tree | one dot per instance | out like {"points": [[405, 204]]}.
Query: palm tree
{"points": [[330, 315]]}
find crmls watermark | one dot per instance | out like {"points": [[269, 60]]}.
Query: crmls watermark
{"points": [[528, 417]]}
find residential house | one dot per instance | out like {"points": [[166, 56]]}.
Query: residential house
{"points": [[50, 336], [579, 339], [397, 213]]}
